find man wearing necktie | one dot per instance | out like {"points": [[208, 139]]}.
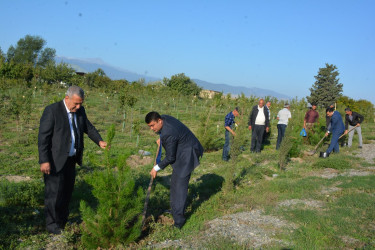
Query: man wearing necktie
{"points": [[60, 145], [182, 151]]}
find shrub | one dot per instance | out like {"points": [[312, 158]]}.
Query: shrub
{"points": [[207, 132]]}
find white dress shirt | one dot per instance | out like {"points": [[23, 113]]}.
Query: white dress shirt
{"points": [[72, 150]]}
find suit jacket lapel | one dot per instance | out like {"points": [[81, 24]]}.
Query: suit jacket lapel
{"points": [[65, 116]]}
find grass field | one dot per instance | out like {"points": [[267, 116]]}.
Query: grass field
{"points": [[325, 203]]}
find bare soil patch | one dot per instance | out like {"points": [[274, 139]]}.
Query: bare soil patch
{"points": [[307, 204], [135, 161], [16, 178], [367, 152]]}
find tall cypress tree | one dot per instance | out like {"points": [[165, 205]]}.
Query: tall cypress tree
{"points": [[326, 89]]}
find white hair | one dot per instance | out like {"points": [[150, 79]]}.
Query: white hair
{"points": [[75, 90]]}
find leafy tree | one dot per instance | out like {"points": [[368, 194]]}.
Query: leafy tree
{"points": [[363, 107], [326, 89], [98, 79], [56, 73], [11, 70], [182, 84], [30, 50], [2, 57]]}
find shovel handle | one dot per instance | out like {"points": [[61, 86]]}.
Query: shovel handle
{"points": [[348, 132], [317, 145], [148, 192]]}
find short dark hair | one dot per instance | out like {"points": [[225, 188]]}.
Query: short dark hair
{"points": [[330, 109], [237, 108], [152, 116], [348, 109]]}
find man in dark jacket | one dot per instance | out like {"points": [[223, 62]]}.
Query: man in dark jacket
{"points": [[336, 128], [353, 120], [258, 123], [183, 151], [60, 145]]}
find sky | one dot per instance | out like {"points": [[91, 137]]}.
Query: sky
{"points": [[270, 44]]}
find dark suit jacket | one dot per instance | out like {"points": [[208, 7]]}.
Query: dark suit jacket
{"points": [[357, 118], [54, 139], [337, 125], [254, 114], [182, 148]]}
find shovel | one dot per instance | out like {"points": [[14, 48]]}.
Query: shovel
{"points": [[316, 147], [148, 192]]}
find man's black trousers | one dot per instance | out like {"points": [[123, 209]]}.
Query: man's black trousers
{"points": [[178, 196], [257, 138], [57, 194]]}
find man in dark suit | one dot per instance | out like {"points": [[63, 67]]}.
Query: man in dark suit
{"points": [[259, 122], [353, 120], [183, 151], [60, 144], [336, 128]]}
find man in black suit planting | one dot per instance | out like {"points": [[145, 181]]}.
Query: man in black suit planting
{"points": [[183, 151]]}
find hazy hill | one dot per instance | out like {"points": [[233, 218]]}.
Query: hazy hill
{"points": [[92, 64], [115, 73]]}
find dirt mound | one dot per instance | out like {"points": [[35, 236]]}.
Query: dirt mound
{"points": [[136, 161], [16, 178]]}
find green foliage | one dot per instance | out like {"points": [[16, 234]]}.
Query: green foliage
{"points": [[292, 141], [12, 70], [238, 142], [97, 79], [182, 84], [316, 133], [56, 73], [326, 89], [27, 194], [287, 147], [207, 132], [19, 104], [20, 210], [110, 135], [30, 50], [362, 107], [126, 99], [116, 220]]}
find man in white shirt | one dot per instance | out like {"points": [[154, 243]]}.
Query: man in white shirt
{"points": [[283, 116], [258, 123]]}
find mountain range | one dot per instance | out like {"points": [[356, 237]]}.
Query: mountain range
{"points": [[115, 73]]}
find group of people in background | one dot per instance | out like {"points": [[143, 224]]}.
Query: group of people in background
{"points": [[260, 118]]}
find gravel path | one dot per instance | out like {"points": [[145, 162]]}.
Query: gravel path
{"points": [[252, 229], [368, 152]]}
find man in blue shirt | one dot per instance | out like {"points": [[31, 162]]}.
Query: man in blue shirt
{"points": [[336, 128], [228, 124]]}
